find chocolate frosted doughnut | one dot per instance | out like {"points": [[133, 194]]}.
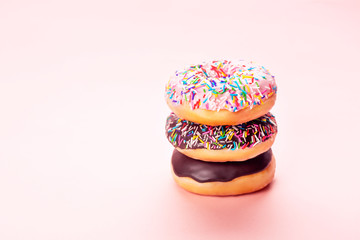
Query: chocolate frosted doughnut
{"points": [[222, 143], [203, 171], [225, 178]]}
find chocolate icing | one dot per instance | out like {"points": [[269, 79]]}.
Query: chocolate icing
{"points": [[202, 171], [185, 134]]}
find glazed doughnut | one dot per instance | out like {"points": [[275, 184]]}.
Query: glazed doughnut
{"points": [[221, 92], [222, 143], [223, 179]]}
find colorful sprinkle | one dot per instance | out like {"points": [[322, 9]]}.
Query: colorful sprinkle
{"points": [[232, 137], [212, 82]]}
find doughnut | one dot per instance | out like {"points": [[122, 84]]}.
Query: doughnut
{"points": [[221, 143], [223, 178], [221, 92]]}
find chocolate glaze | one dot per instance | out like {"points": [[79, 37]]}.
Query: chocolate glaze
{"points": [[202, 171], [185, 134]]}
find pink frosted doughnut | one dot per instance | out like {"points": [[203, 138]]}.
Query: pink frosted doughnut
{"points": [[221, 92]]}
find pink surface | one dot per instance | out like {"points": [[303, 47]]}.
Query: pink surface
{"points": [[81, 81]]}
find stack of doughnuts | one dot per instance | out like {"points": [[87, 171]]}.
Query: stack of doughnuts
{"points": [[221, 128]]}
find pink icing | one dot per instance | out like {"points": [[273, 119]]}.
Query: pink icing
{"points": [[216, 85]]}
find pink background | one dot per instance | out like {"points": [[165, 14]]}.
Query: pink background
{"points": [[82, 81]]}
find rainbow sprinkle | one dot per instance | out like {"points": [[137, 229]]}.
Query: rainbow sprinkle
{"points": [[189, 135], [216, 85]]}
